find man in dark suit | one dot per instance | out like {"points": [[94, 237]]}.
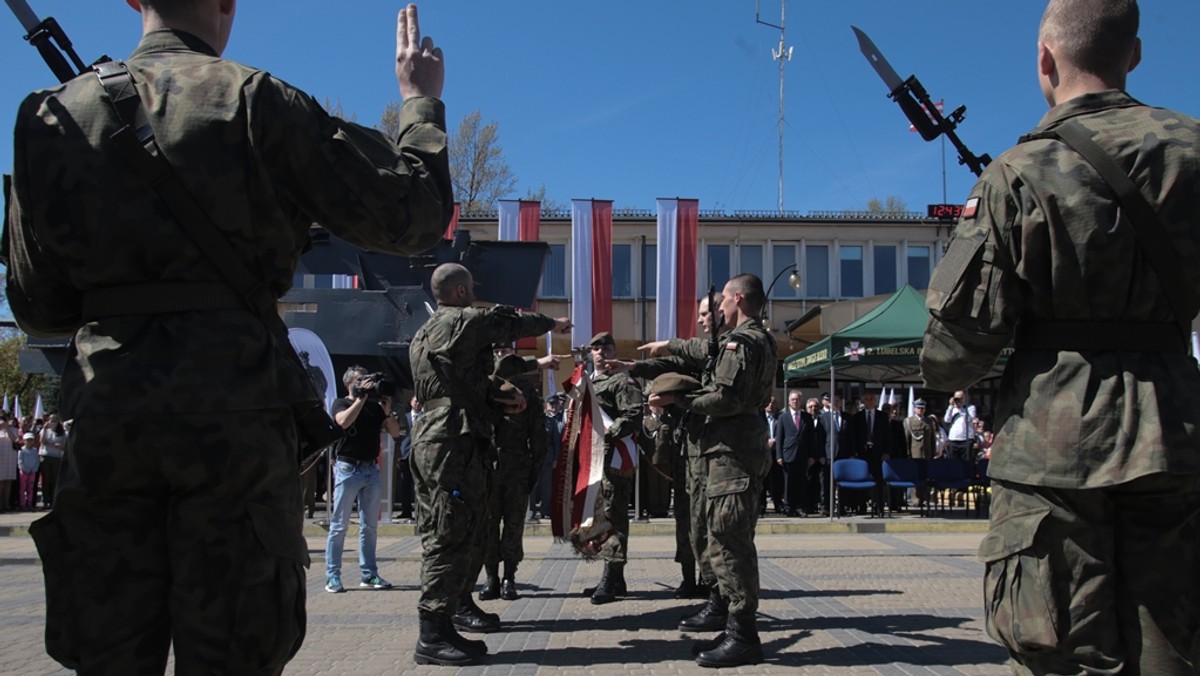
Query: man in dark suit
{"points": [[773, 485], [835, 442], [793, 443], [870, 436]]}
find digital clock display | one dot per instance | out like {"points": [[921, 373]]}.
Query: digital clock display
{"points": [[946, 212]]}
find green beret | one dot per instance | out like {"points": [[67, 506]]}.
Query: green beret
{"points": [[602, 338], [673, 382]]}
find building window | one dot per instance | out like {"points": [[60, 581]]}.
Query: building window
{"points": [[885, 269], [783, 256], [919, 266], [851, 260], [717, 266], [554, 275], [622, 271], [816, 271], [750, 261], [649, 270]]}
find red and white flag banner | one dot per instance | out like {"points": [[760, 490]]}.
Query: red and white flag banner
{"points": [[678, 247], [578, 505], [591, 278], [521, 221], [449, 234]]}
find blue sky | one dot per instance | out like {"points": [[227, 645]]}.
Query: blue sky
{"points": [[635, 100]]}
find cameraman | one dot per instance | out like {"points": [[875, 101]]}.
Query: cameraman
{"points": [[356, 474]]}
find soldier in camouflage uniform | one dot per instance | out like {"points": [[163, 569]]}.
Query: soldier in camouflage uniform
{"points": [[175, 524], [730, 402], [520, 443], [694, 477], [1093, 547], [620, 397], [451, 357]]}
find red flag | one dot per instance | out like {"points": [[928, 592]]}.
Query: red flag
{"points": [[937, 104], [578, 505]]}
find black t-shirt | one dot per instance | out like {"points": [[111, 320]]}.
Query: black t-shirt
{"points": [[362, 437]]}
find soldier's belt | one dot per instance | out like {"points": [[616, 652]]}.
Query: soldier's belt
{"points": [[1068, 336], [159, 298], [440, 402]]}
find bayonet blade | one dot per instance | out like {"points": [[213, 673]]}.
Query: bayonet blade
{"points": [[880, 64], [29, 20]]}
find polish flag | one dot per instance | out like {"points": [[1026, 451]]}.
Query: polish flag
{"points": [[625, 451], [591, 279], [520, 221], [678, 244], [449, 234]]}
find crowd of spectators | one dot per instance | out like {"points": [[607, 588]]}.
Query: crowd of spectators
{"points": [[31, 452]]}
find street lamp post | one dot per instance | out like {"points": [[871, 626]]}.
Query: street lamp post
{"points": [[793, 281]]}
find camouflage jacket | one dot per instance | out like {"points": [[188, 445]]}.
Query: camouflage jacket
{"points": [[652, 368], [621, 398], [1042, 238], [264, 161], [732, 396], [451, 357], [521, 438]]}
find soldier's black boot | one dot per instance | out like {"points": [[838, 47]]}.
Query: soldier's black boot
{"points": [[470, 617], [508, 586], [740, 647], [472, 647], [688, 588], [611, 582], [491, 582], [712, 617], [434, 645]]}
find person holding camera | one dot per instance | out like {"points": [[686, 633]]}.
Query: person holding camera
{"points": [[363, 414], [960, 427]]}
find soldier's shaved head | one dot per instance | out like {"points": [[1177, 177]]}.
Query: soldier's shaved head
{"points": [[1095, 36], [751, 288], [446, 279]]}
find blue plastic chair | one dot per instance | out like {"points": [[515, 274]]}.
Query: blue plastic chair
{"points": [[981, 486], [905, 473], [948, 474], [851, 474]]}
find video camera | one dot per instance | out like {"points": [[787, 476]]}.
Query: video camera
{"points": [[373, 386]]}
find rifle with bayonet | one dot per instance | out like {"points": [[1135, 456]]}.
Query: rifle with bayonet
{"points": [[920, 110], [51, 42]]}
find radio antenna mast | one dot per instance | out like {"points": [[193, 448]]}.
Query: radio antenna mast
{"points": [[782, 54]]}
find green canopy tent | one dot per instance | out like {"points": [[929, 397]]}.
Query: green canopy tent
{"points": [[882, 346]]}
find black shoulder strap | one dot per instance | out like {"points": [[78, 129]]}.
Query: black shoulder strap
{"points": [[1156, 244], [137, 144]]}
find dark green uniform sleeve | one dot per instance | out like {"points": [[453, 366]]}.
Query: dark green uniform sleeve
{"points": [[535, 420], [653, 368], [629, 403], [39, 294], [973, 298], [354, 181]]}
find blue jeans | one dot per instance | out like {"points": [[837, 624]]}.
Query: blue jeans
{"points": [[350, 482]]}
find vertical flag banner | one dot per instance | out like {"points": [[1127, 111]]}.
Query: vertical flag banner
{"points": [[910, 401], [521, 221], [678, 249], [591, 278], [449, 234], [38, 413], [17, 407]]}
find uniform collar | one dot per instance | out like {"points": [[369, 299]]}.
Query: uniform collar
{"points": [[170, 40], [1087, 103]]}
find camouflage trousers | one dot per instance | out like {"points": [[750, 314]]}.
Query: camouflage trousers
{"points": [[617, 492], [451, 485], [697, 503], [1101, 581], [178, 531], [507, 505], [683, 513], [733, 492]]}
